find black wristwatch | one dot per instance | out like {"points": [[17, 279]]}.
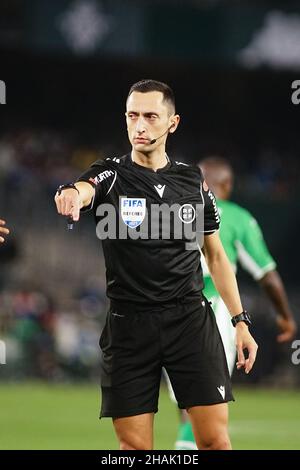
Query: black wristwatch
{"points": [[66, 186], [244, 316]]}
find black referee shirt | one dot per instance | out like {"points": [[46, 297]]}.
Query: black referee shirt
{"points": [[147, 259]]}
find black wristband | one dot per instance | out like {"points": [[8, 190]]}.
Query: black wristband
{"points": [[244, 316], [66, 186]]}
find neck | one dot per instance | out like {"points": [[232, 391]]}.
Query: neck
{"points": [[155, 160]]}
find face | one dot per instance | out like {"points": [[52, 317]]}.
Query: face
{"points": [[147, 118]]}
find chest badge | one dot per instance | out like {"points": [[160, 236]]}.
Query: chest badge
{"points": [[133, 211], [187, 213]]}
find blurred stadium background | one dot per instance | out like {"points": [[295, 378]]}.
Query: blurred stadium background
{"points": [[67, 66]]}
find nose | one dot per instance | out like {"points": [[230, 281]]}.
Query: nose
{"points": [[140, 125]]}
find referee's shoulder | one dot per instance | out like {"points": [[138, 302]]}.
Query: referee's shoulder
{"points": [[183, 166], [109, 162], [187, 168]]}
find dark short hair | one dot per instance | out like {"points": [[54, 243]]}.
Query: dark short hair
{"points": [[147, 85]]}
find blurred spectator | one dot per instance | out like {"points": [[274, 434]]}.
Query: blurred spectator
{"points": [[44, 342]]}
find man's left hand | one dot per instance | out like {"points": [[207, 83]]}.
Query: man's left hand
{"points": [[244, 340]]}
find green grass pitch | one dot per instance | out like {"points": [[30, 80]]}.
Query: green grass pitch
{"points": [[44, 416]]}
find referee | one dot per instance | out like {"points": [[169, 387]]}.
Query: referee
{"points": [[158, 316]]}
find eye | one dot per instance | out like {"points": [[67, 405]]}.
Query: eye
{"points": [[131, 116]]}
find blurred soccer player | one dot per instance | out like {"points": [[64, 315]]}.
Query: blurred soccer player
{"points": [[3, 230], [243, 242], [158, 316]]}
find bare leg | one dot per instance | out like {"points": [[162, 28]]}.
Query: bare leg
{"points": [[210, 426], [135, 432]]}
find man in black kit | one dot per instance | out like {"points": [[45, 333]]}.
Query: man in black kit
{"points": [[158, 316]]}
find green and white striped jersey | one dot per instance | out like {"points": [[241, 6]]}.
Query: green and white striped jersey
{"points": [[243, 242]]}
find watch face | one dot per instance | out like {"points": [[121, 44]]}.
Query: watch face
{"points": [[247, 319]]}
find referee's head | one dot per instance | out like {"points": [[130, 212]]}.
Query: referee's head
{"points": [[149, 85], [218, 174], [150, 115]]}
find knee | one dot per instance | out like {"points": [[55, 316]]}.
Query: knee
{"points": [[221, 442], [134, 443]]}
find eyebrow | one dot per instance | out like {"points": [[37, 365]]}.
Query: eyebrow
{"points": [[147, 113]]}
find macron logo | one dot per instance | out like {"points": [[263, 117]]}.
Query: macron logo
{"points": [[222, 391], [160, 189]]}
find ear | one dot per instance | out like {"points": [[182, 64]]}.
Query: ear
{"points": [[174, 123]]}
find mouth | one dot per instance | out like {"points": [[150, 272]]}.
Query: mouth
{"points": [[140, 140]]}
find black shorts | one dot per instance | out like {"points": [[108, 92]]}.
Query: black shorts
{"points": [[138, 340]]}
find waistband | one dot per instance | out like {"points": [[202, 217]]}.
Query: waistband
{"points": [[134, 306]]}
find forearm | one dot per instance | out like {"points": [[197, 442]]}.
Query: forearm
{"points": [[225, 282], [86, 192], [224, 279], [274, 288]]}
